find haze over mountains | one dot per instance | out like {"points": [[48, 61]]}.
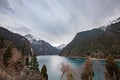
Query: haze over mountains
{"points": [[60, 47]]}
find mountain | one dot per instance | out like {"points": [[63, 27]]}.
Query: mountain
{"points": [[96, 43], [114, 27], [20, 42], [16, 62], [60, 47], [81, 42], [42, 47]]}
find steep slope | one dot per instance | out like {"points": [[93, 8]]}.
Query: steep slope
{"points": [[20, 42], [81, 42], [42, 47], [114, 28], [95, 43], [107, 43], [16, 64]]}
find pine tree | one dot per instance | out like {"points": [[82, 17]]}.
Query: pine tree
{"points": [[2, 43], [7, 55], [33, 63], [27, 61], [44, 72]]}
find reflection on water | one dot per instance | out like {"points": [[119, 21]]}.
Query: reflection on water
{"points": [[53, 64]]}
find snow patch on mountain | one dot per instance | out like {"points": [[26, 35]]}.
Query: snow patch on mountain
{"points": [[42, 47]]}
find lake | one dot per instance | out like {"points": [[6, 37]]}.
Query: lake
{"points": [[53, 64]]}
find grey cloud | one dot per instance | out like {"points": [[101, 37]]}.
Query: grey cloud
{"points": [[57, 21], [18, 29], [4, 6], [22, 29]]}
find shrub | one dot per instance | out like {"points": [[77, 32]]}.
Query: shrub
{"points": [[112, 69], [88, 72]]}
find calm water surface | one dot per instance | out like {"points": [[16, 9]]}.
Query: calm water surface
{"points": [[53, 64]]}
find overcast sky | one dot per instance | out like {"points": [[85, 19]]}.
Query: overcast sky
{"points": [[56, 21]]}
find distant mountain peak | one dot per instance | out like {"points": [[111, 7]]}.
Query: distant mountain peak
{"points": [[42, 47], [32, 38], [105, 26], [114, 27], [29, 36], [60, 47], [116, 21]]}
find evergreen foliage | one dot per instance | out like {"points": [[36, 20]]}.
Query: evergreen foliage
{"points": [[27, 61], [2, 43], [33, 64], [6, 56], [44, 72]]}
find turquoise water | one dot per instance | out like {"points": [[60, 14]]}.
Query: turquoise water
{"points": [[53, 64]]}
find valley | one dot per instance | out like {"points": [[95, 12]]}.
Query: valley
{"points": [[59, 39]]}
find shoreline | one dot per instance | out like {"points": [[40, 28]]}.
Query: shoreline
{"points": [[99, 59], [102, 59]]}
